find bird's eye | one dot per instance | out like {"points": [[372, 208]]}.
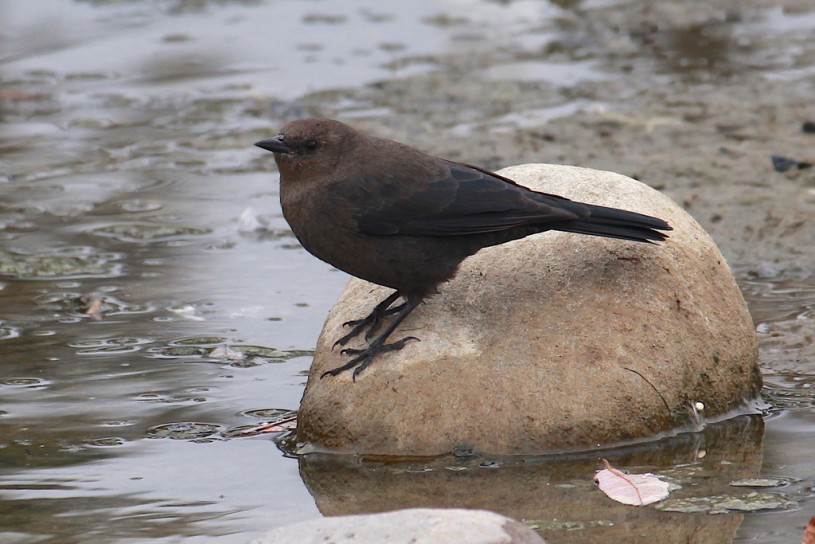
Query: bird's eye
{"points": [[311, 145]]}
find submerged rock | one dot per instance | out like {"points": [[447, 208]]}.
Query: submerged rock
{"points": [[554, 342]]}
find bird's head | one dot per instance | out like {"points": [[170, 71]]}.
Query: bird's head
{"points": [[309, 148]]}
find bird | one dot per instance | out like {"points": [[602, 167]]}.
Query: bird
{"points": [[398, 217]]}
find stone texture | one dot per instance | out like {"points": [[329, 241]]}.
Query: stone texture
{"points": [[555, 342], [415, 526]]}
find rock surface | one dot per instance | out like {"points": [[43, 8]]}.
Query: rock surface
{"points": [[555, 342], [415, 526]]}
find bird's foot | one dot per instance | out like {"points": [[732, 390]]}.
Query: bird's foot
{"points": [[393, 346], [372, 321], [363, 357], [358, 326]]}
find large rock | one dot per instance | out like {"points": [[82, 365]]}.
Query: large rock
{"points": [[555, 342], [414, 526]]}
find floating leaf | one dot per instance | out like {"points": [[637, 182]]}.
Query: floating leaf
{"points": [[94, 310], [633, 489]]}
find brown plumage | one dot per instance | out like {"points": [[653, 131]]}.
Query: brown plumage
{"points": [[393, 215]]}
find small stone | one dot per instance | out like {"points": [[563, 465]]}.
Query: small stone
{"points": [[758, 482], [782, 164]]}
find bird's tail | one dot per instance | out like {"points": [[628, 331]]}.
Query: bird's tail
{"points": [[615, 223]]}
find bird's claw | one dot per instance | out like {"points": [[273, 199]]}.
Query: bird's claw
{"points": [[359, 325], [363, 357], [353, 322], [399, 344], [393, 346], [372, 321], [360, 362]]}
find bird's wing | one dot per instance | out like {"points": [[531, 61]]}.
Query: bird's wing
{"points": [[464, 200]]}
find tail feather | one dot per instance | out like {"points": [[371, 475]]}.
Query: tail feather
{"points": [[622, 224]]}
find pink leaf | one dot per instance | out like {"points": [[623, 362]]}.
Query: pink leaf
{"points": [[633, 489], [809, 532]]}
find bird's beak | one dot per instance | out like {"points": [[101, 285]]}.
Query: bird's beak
{"points": [[275, 145]]}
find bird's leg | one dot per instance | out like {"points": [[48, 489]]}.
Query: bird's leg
{"points": [[372, 319], [363, 357], [378, 321]]}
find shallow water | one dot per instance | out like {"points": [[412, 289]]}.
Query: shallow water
{"points": [[143, 319]]}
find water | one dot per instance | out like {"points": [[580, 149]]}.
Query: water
{"points": [[143, 320]]}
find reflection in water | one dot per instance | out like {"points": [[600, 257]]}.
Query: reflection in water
{"points": [[783, 299], [140, 492], [783, 309], [97, 519], [555, 493]]}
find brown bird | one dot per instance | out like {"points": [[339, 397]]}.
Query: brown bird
{"points": [[393, 215]]}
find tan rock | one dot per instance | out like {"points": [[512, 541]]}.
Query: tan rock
{"points": [[554, 342]]}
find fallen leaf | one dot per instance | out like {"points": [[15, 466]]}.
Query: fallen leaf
{"points": [[94, 310], [633, 489], [809, 532]]}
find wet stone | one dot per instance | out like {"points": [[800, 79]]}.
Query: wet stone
{"points": [[270, 414], [183, 431], [8, 332], [564, 525], [240, 356], [118, 423], [136, 205], [109, 346], [77, 304], [179, 351], [24, 382], [720, 504], [78, 262], [154, 397], [142, 232], [107, 442], [198, 341], [759, 482]]}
